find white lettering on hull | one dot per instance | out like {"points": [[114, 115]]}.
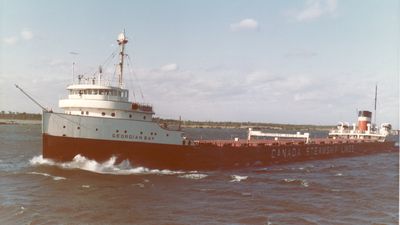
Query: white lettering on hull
{"points": [[131, 137], [293, 152]]}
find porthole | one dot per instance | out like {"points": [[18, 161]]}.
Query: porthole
{"points": [[141, 132], [87, 112], [117, 131], [103, 113], [97, 129], [125, 131], [130, 115], [64, 126], [112, 114], [78, 128], [167, 135], [81, 112], [144, 117]]}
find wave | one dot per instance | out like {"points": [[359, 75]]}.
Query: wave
{"points": [[302, 182], [237, 178], [194, 176], [48, 175], [107, 167]]}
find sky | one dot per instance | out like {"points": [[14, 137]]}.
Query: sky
{"points": [[300, 61]]}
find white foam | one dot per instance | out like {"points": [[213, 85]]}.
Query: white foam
{"points": [[338, 175], [107, 167], [289, 180], [48, 175], [194, 176], [38, 160], [85, 186], [22, 210], [302, 182], [237, 178]]}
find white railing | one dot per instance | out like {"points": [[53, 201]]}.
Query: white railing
{"points": [[253, 133]]}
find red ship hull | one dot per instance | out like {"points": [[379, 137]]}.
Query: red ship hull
{"points": [[204, 156]]}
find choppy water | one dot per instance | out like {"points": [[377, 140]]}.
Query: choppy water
{"points": [[358, 190]]}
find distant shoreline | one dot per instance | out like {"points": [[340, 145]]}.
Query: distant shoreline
{"points": [[32, 118], [18, 122]]}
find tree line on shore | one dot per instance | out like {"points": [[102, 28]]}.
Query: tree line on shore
{"points": [[189, 123], [20, 116]]}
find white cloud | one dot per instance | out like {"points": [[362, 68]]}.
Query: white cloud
{"points": [[169, 67], [10, 40], [26, 34], [246, 24], [313, 9]]}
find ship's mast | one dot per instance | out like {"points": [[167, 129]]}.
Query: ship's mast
{"points": [[376, 99], [121, 42]]}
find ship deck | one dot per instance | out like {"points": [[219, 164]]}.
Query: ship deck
{"points": [[285, 142]]}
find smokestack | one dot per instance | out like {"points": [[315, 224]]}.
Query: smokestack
{"points": [[364, 118]]}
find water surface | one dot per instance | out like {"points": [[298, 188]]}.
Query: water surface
{"points": [[357, 190]]}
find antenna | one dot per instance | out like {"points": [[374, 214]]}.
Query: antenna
{"points": [[376, 99], [121, 42], [180, 122], [73, 71], [100, 74]]}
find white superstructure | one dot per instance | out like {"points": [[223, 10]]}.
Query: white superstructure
{"points": [[364, 131], [94, 109], [255, 133]]}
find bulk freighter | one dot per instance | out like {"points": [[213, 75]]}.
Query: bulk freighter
{"points": [[99, 122]]}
